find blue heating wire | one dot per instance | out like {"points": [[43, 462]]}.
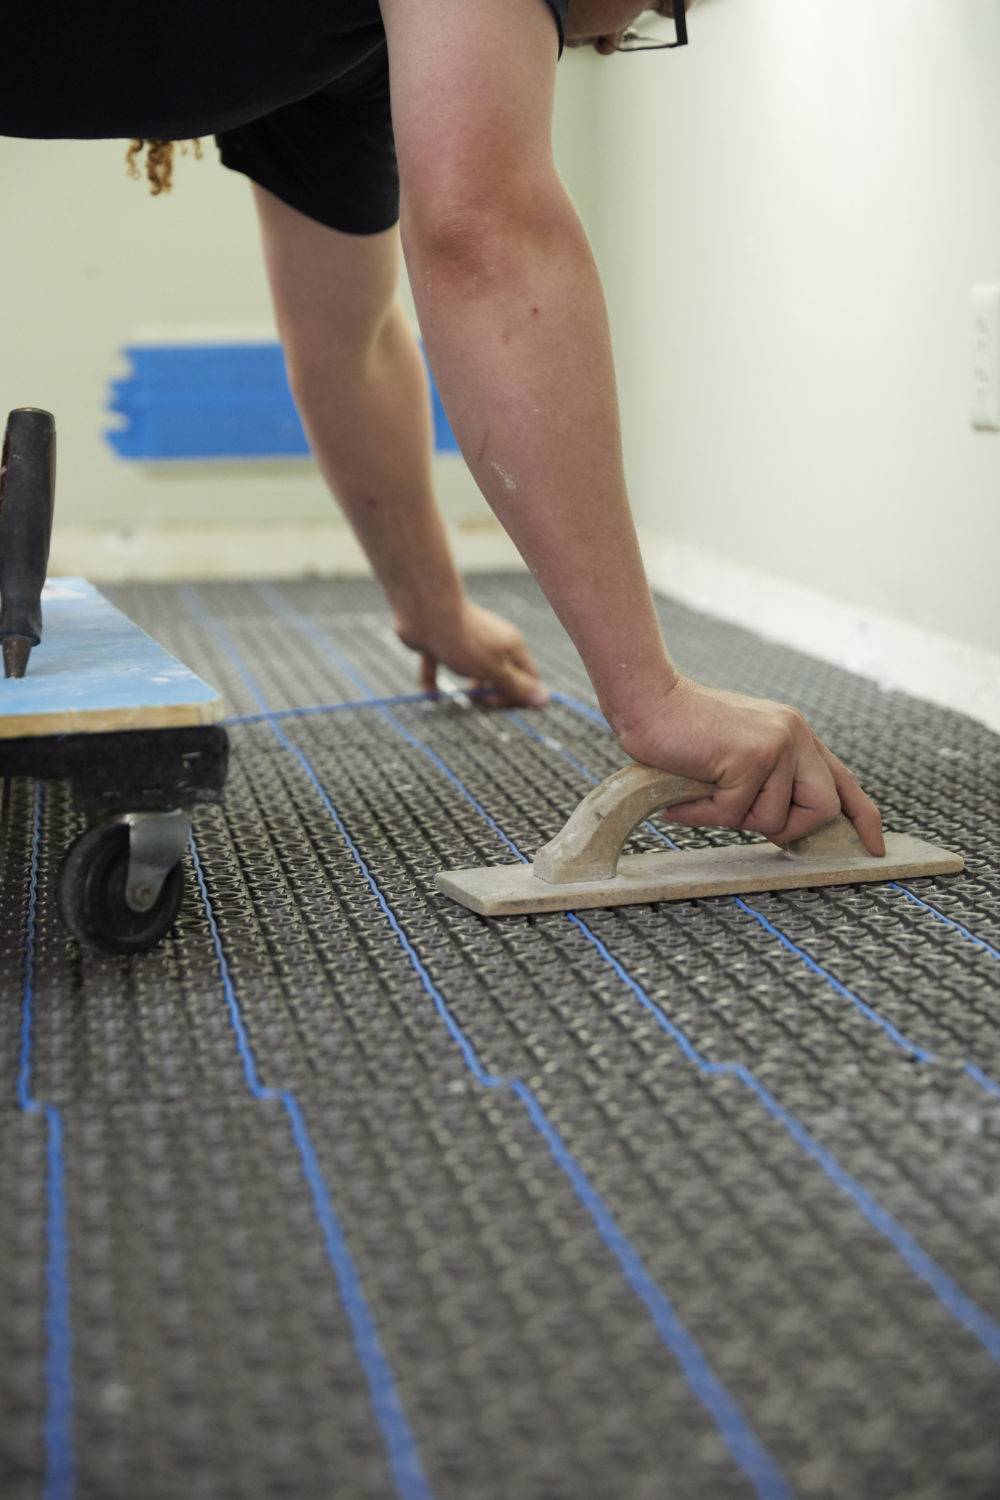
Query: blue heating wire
{"points": [[60, 1460], [411, 1483], [940, 916], [962, 1307], [743, 1443], [401, 1446], [330, 708]]}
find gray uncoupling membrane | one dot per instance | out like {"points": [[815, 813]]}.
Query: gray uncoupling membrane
{"points": [[347, 1192]]}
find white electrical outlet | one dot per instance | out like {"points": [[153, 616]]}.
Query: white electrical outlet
{"points": [[986, 357]]}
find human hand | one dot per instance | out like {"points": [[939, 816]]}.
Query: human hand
{"points": [[479, 645], [772, 774]]}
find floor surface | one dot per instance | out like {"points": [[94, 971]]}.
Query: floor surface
{"points": [[346, 1192]]}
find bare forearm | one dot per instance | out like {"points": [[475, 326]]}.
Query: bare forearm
{"points": [[518, 336], [369, 426]]}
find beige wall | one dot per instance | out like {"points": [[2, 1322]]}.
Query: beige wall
{"points": [[792, 216], [87, 258]]}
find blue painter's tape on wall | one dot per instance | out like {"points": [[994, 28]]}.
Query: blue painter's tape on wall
{"points": [[444, 439], [215, 401], [206, 401]]}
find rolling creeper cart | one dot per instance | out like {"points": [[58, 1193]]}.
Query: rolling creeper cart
{"points": [[103, 707]]}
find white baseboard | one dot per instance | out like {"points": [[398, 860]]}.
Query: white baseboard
{"points": [[896, 654], [286, 549]]}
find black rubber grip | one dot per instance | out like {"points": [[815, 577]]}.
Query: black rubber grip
{"points": [[27, 497]]}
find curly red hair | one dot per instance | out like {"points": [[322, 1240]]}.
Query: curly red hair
{"points": [[159, 161]]}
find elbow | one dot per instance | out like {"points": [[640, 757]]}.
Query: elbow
{"points": [[475, 239]]}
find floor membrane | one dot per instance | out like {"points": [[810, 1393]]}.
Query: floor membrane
{"points": [[347, 1191]]}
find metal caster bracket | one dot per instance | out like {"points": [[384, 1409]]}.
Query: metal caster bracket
{"points": [[157, 841]]}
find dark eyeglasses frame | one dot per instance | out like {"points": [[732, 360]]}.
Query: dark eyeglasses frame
{"points": [[637, 43]]}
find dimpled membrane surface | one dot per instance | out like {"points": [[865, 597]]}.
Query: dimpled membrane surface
{"points": [[357, 1194]]}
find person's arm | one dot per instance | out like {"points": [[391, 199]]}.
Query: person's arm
{"points": [[513, 316], [359, 383]]}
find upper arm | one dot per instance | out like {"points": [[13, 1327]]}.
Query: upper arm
{"points": [[472, 85]]}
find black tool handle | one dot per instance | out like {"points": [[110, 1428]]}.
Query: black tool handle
{"points": [[27, 497]]}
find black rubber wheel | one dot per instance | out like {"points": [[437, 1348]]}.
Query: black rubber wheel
{"points": [[92, 894]]}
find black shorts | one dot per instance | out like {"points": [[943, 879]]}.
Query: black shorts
{"points": [[332, 155]]}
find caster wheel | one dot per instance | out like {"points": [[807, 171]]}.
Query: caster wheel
{"points": [[92, 894]]}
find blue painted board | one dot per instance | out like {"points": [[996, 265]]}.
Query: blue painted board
{"points": [[96, 671]]}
